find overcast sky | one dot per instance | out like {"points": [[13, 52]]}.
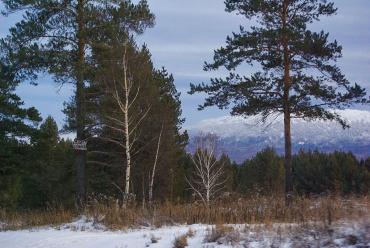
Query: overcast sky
{"points": [[187, 32]]}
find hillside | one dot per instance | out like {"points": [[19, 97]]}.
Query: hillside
{"points": [[242, 137]]}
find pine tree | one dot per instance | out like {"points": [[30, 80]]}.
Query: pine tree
{"points": [[155, 110], [296, 73], [17, 126], [54, 36], [50, 173]]}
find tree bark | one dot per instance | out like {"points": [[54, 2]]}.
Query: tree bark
{"points": [[287, 116], [127, 132], [80, 158], [154, 167]]}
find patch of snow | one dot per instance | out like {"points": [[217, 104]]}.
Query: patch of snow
{"points": [[66, 238], [84, 224], [317, 131], [241, 137], [258, 236]]}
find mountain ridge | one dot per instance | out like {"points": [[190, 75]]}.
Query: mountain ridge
{"points": [[241, 138]]}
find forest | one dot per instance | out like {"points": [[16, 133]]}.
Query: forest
{"points": [[129, 160]]}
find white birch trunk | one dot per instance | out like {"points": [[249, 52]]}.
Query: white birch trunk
{"points": [[154, 168]]}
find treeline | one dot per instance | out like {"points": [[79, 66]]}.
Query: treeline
{"points": [[38, 166], [40, 174], [314, 173]]}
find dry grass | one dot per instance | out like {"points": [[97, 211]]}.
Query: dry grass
{"points": [[256, 210], [222, 235], [266, 210], [181, 241], [190, 233], [29, 219]]}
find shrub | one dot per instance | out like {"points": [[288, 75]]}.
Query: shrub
{"points": [[222, 235], [181, 241], [190, 233]]}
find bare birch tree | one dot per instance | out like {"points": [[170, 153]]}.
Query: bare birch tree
{"points": [[125, 93], [208, 179]]}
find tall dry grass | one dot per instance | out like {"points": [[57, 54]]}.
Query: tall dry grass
{"points": [[266, 210], [13, 220], [236, 211]]}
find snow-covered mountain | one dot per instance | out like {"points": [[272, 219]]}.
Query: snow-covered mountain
{"points": [[242, 137]]}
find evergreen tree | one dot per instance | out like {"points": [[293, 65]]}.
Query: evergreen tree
{"points": [[17, 126], [157, 99], [262, 174], [296, 72], [338, 172], [49, 175], [54, 36]]}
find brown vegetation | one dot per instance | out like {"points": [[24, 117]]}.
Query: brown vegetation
{"points": [[181, 241], [265, 210], [222, 235], [28, 219]]}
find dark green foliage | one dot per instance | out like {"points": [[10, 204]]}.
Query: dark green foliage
{"points": [[229, 173], [37, 173], [180, 190], [83, 43], [314, 173], [48, 36], [56, 37], [159, 98], [295, 68], [52, 160], [17, 126], [262, 174], [15, 121], [315, 81]]}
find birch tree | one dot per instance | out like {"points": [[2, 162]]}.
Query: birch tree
{"points": [[125, 93], [152, 175], [208, 179]]}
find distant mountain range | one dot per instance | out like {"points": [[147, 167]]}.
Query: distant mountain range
{"points": [[242, 138]]}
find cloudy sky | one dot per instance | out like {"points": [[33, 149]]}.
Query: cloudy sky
{"points": [[187, 32]]}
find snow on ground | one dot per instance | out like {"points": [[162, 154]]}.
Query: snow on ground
{"points": [[51, 238], [84, 233]]}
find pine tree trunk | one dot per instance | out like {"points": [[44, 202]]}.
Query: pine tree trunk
{"points": [[80, 159], [287, 116], [288, 158]]}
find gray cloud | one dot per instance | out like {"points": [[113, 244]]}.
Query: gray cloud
{"points": [[187, 32]]}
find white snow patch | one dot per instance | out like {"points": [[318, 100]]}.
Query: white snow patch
{"points": [[85, 224], [277, 235], [314, 132], [51, 238]]}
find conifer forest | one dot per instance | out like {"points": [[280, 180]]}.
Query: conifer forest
{"points": [[268, 147]]}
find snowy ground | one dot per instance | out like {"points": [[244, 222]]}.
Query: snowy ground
{"points": [[94, 239], [85, 234]]}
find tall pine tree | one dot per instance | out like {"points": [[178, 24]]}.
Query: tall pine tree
{"points": [[296, 73], [17, 126], [56, 37]]}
